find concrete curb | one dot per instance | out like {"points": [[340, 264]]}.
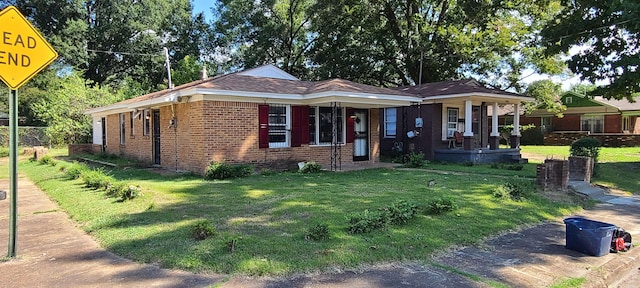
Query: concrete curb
{"points": [[613, 270]]}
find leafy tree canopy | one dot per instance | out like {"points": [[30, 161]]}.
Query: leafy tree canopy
{"points": [[62, 107], [389, 42], [606, 33], [547, 95], [118, 42]]}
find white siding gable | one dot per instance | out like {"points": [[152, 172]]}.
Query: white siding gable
{"points": [[268, 71]]}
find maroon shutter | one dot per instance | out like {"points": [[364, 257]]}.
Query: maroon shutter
{"points": [[350, 125], [263, 131], [296, 134], [304, 124], [299, 125]]}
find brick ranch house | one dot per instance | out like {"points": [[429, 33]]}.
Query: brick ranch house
{"points": [[614, 122], [594, 115], [444, 108], [262, 116]]}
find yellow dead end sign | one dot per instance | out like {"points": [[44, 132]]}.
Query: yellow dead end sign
{"points": [[23, 51]]}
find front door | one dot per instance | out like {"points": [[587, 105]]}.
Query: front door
{"points": [[103, 121], [156, 137], [361, 135]]}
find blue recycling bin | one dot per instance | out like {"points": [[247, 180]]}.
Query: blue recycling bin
{"points": [[588, 236]]}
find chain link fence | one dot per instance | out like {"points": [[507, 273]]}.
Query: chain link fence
{"points": [[27, 136]]}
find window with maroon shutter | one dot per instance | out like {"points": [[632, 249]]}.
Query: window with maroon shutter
{"points": [[275, 126]]}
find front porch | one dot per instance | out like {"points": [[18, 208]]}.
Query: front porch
{"points": [[479, 155]]}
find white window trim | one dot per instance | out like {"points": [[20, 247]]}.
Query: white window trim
{"points": [[591, 123], [395, 121], [317, 125], [445, 121], [146, 129], [123, 133], [287, 142]]}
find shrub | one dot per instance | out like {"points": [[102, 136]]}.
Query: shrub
{"points": [[202, 230], [311, 167], [440, 206], [367, 221], [47, 160], [222, 170], [242, 170], [588, 147], [415, 160], [512, 190], [123, 191], [96, 178], [317, 232], [400, 212], [74, 171]]}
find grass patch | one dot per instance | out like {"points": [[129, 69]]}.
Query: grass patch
{"points": [[264, 220], [569, 283]]}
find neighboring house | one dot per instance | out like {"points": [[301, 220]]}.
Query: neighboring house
{"points": [[593, 115], [262, 116], [429, 125]]}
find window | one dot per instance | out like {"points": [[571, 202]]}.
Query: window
{"points": [[545, 123], [452, 121], [321, 127], [131, 118], [147, 122], [122, 128], [568, 100], [626, 124], [279, 127], [593, 124], [390, 119]]}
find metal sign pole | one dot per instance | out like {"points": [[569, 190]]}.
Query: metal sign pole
{"points": [[13, 170]]}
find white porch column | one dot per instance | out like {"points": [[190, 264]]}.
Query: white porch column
{"points": [[468, 115], [516, 120], [494, 120]]}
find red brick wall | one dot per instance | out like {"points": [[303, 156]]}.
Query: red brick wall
{"points": [[613, 123], [566, 123], [219, 131]]}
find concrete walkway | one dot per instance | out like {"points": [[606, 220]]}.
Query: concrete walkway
{"points": [[603, 195], [53, 252]]}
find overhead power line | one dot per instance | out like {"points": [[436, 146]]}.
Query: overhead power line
{"points": [[124, 53]]}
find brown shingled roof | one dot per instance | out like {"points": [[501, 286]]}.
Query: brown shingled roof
{"points": [[465, 86], [245, 83], [622, 104]]}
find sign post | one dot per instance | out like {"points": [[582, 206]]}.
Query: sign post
{"points": [[23, 53]]}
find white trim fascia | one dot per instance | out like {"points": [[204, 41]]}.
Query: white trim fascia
{"points": [[306, 99], [491, 95], [127, 107]]}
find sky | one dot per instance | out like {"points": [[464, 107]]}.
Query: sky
{"points": [[203, 6]]}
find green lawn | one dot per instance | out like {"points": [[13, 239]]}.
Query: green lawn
{"points": [[268, 216]]}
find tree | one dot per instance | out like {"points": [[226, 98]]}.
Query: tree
{"points": [[265, 32], [390, 42], [118, 42], [547, 95], [606, 33], [62, 107]]}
